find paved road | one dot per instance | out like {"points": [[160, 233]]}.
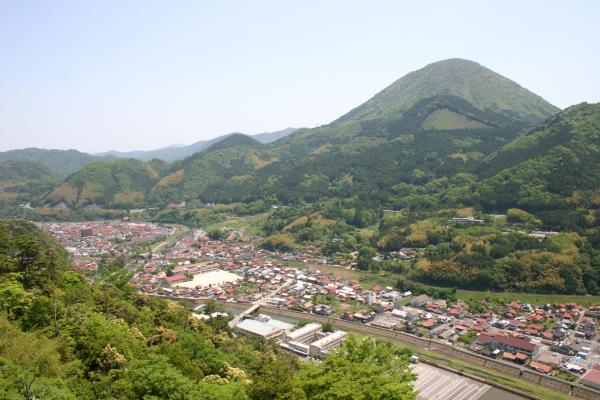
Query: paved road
{"points": [[437, 384]]}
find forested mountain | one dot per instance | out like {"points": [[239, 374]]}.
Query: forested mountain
{"points": [[546, 166], [174, 153], [21, 180], [62, 162], [233, 159], [122, 183], [65, 339], [445, 119]]}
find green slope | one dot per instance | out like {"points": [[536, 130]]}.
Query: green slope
{"points": [[21, 181], [548, 163], [121, 183], [62, 162], [233, 159]]}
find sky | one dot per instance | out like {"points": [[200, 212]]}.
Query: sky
{"points": [[138, 75]]}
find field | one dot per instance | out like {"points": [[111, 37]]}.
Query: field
{"points": [[527, 297]]}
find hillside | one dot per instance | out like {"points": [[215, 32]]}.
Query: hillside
{"points": [[545, 165], [62, 162], [21, 181], [174, 153], [233, 159], [121, 183]]}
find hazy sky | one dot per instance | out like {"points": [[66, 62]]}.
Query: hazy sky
{"points": [[124, 75]]}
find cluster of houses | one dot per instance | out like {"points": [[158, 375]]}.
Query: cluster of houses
{"points": [[93, 239], [548, 338]]}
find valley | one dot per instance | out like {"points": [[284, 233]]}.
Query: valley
{"points": [[454, 214]]}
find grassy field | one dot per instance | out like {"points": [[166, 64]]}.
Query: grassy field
{"points": [[527, 297], [249, 224]]}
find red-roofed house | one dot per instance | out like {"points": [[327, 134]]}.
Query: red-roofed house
{"points": [[176, 278], [544, 369], [591, 379]]}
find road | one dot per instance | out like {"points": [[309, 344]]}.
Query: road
{"points": [[178, 234]]}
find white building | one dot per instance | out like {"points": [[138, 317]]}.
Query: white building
{"points": [[258, 328], [321, 347], [308, 333]]}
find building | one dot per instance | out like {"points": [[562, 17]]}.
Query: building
{"points": [[542, 368], [321, 347], [506, 343], [86, 232], [467, 221], [306, 334], [259, 328], [420, 301], [323, 309], [176, 279], [591, 379]]}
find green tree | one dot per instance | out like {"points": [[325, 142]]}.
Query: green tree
{"points": [[363, 368]]}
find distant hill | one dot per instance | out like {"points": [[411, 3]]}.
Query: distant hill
{"points": [[62, 162], [233, 159], [121, 183], [179, 152], [22, 181]]}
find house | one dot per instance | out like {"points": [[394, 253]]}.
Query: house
{"points": [[428, 323], [420, 301], [176, 279], [323, 309], [506, 343], [544, 369], [591, 379], [512, 343]]}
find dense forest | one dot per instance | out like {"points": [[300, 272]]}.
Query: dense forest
{"points": [[65, 338]]}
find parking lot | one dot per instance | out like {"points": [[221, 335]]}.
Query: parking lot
{"points": [[436, 384]]}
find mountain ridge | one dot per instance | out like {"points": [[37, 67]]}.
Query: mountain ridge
{"points": [[179, 152]]}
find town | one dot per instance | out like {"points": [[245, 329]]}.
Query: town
{"points": [[559, 340]]}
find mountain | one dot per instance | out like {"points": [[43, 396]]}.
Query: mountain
{"points": [[233, 159], [270, 137], [121, 183], [544, 165], [62, 162], [447, 95], [21, 181], [446, 120], [179, 152], [480, 86]]}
